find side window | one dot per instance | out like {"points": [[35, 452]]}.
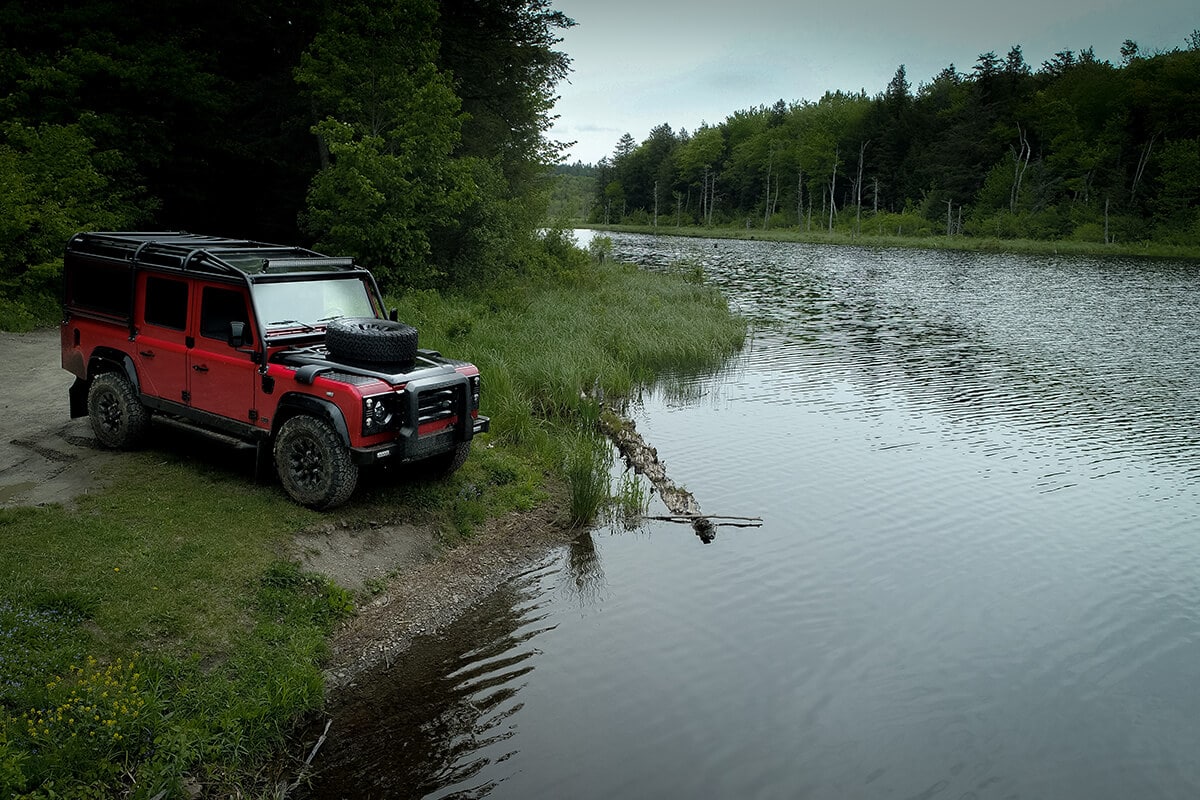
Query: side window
{"points": [[218, 308], [166, 303], [97, 285]]}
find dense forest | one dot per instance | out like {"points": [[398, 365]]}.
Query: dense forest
{"points": [[1075, 149], [409, 133]]}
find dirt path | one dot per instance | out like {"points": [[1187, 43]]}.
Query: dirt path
{"points": [[45, 456]]}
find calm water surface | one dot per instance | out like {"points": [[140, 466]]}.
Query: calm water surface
{"points": [[978, 574]]}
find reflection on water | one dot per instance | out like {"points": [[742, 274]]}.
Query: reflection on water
{"points": [[424, 723], [433, 722], [978, 574]]}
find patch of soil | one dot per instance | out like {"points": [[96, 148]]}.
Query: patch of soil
{"points": [[360, 559]]}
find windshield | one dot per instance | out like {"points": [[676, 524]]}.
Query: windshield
{"points": [[307, 304]]}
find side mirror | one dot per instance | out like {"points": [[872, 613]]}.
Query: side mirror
{"points": [[394, 314], [237, 334]]}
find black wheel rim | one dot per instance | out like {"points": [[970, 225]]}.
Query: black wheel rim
{"points": [[305, 463], [110, 412]]}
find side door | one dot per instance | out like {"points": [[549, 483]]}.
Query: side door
{"points": [[160, 348], [221, 377]]}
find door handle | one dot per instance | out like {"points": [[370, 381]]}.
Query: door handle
{"points": [[146, 353], [199, 368]]}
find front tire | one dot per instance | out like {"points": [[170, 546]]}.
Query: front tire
{"points": [[314, 465], [118, 418]]}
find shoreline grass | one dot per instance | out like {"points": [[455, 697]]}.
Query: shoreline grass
{"points": [[958, 242], [171, 592]]}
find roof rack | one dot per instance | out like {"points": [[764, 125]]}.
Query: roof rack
{"points": [[179, 250]]}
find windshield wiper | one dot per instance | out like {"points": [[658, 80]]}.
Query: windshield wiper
{"points": [[303, 325], [330, 319]]}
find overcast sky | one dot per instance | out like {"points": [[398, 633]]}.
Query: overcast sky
{"points": [[641, 63]]}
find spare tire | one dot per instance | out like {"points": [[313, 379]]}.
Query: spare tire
{"points": [[370, 340]]}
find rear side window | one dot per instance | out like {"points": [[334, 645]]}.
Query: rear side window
{"points": [[166, 303], [94, 285], [218, 308]]}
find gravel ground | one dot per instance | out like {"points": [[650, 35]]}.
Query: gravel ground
{"points": [[45, 456]]}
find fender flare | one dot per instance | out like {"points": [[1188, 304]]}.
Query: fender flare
{"points": [[295, 403], [105, 359]]}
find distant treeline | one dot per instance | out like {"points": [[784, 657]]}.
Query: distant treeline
{"points": [[409, 133], [1077, 149]]}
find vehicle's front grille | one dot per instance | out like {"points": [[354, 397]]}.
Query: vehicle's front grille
{"points": [[438, 404]]}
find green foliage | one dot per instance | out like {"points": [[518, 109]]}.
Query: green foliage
{"points": [[409, 133], [236, 640], [390, 180], [1017, 154], [51, 186], [600, 248]]}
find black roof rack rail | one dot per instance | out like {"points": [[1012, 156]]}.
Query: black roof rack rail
{"points": [[179, 250]]}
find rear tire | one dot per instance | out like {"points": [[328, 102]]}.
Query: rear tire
{"points": [[314, 465], [118, 418]]}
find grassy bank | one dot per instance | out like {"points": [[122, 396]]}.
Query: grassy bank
{"points": [[927, 242], [156, 635]]}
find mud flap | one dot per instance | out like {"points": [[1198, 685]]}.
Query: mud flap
{"points": [[264, 465], [78, 398]]}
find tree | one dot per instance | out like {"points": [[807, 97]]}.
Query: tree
{"points": [[502, 56], [1129, 51], [391, 122], [1178, 184], [698, 161], [625, 147], [50, 189]]}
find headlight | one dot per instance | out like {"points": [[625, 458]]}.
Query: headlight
{"points": [[378, 413], [475, 393]]}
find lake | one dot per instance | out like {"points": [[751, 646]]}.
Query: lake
{"points": [[978, 573]]}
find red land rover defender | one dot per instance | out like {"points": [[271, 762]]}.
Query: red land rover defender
{"points": [[278, 346]]}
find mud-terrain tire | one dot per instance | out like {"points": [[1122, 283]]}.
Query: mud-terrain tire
{"points": [[370, 340], [447, 463], [313, 464], [118, 418]]}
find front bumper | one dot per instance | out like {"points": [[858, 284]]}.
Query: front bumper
{"points": [[408, 448]]}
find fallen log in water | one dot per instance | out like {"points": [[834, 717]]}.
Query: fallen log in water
{"points": [[737, 522], [643, 459]]}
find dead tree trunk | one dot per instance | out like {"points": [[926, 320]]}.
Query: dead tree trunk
{"points": [[1021, 163], [1143, 160], [800, 197], [712, 198], [862, 150], [767, 195], [832, 186]]}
